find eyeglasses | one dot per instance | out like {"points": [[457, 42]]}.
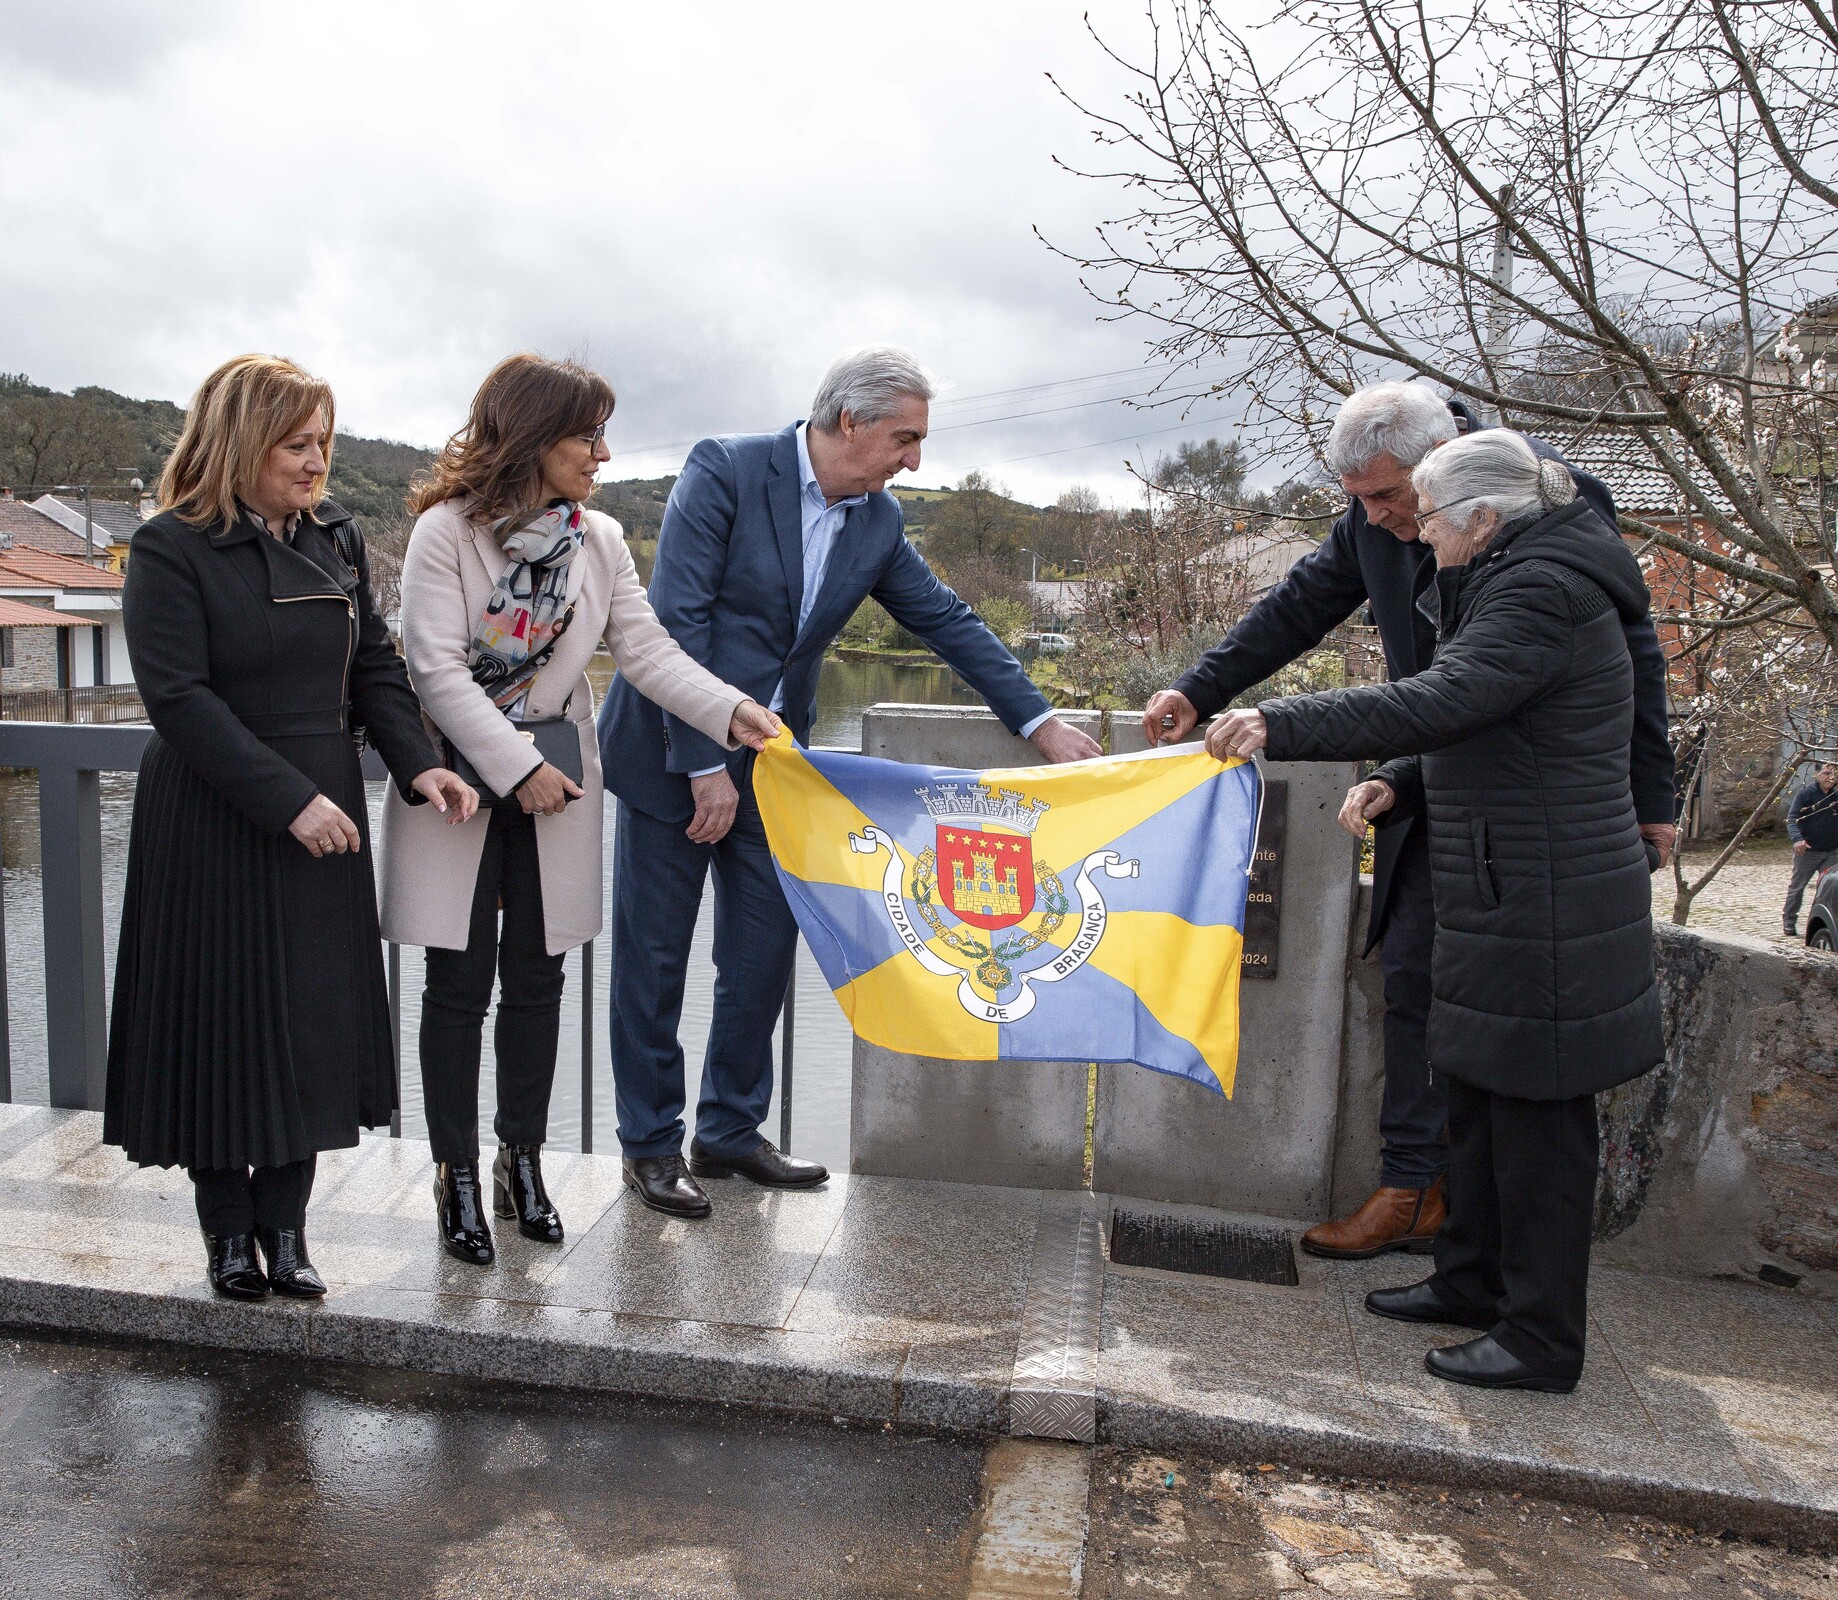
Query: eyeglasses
{"points": [[1423, 517], [596, 438]]}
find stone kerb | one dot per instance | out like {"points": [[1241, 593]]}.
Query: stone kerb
{"points": [[1012, 1123]]}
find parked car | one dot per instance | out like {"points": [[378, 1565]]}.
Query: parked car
{"points": [[1047, 644], [1822, 920]]}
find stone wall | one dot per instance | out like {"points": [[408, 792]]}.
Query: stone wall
{"points": [[1726, 1157], [34, 659], [1723, 1159]]}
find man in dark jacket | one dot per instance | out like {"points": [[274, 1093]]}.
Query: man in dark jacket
{"points": [[1372, 557], [1812, 825], [1514, 741]]}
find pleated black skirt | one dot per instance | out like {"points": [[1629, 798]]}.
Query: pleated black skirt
{"points": [[251, 1017]]}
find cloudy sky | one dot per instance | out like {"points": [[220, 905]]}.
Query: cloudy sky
{"points": [[706, 201]]}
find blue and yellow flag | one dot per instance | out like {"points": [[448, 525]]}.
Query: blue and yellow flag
{"points": [[1091, 912]]}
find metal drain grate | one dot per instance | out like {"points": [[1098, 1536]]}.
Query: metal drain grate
{"points": [[1218, 1249]]}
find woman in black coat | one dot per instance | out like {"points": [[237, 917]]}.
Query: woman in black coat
{"points": [[250, 1027], [1515, 742]]}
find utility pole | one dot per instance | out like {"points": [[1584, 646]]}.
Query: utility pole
{"points": [[1499, 325]]}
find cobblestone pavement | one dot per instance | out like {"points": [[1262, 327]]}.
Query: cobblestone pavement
{"points": [[1745, 897], [1164, 1527]]}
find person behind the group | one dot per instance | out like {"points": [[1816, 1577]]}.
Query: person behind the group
{"points": [[509, 585], [251, 1023], [1373, 557], [1515, 741], [768, 545], [1812, 825]]}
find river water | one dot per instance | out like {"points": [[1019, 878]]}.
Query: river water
{"points": [[821, 1038]]}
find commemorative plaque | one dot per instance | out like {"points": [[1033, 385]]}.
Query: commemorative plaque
{"points": [[1264, 901]]}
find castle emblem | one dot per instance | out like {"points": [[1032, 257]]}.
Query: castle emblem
{"points": [[1009, 909]]}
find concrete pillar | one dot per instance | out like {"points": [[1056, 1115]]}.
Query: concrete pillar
{"points": [[1270, 1149], [1018, 1123]]}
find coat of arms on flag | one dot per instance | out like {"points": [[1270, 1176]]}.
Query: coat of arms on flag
{"points": [[1092, 912]]}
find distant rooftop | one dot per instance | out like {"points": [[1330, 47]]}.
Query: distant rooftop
{"points": [[114, 521], [23, 525]]}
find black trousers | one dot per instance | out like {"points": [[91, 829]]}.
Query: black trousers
{"points": [[233, 1200], [1414, 1113], [1522, 1176], [458, 994]]}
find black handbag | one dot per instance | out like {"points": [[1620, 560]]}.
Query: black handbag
{"points": [[556, 739]]}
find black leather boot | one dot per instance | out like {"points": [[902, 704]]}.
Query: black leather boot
{"points": [[517, 1191], [461, 1209], [235, 1272], [289, 1270]]}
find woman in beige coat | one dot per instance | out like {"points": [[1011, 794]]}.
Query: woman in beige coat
{"points": [[508, 586]]}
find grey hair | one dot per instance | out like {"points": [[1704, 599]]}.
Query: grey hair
{"points": [[1497, 468], [1405, 421], [869, 384]]}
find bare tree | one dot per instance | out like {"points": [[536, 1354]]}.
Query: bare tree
{"points": [[1636, 193]]}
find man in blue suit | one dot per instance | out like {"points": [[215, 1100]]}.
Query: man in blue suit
{"points": [[769, 543]]}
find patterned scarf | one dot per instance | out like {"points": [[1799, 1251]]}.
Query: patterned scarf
{"points": [[524, 616]]}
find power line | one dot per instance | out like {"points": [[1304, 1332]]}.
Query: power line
{"points": [[1077, 405], [988, 395], [1095, 444]]}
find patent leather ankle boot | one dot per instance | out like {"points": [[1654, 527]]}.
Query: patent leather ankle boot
{"points": [[289, 1270], [235, 1272], [461, 1209], [517, 1191]]}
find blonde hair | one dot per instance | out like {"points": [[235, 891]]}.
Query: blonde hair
{"points": [[240, 412]]}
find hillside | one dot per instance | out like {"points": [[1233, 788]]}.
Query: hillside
{"points": [[98, 437]]}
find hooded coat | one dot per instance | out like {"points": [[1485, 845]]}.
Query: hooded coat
{"points": [[1515, 741]]}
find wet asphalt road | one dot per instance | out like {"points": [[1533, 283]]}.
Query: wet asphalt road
{"points": [[166, 1472]]}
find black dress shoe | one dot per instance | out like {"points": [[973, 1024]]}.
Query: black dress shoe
{"points": [[765, 1166], [289, 1270], [663, 1185], [517, 1191], [461, 1210], [235, 1272], [1487, 1364], [1418, 1302]]}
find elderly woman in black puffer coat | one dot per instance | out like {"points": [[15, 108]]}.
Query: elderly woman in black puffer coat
{"points": [[1515, 742]]}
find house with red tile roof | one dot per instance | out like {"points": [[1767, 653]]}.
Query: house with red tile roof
{"points": [[61, 625]]}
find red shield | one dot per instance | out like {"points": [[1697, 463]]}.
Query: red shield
{"points": [[986, 878]]}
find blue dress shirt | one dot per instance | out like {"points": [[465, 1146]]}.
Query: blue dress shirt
{"points": [[822, 521]]}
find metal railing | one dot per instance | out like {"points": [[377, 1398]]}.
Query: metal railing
{"points": [[70, 760], [94, 703]]}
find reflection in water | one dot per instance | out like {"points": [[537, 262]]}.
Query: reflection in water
{"points": [[820, 1120]]}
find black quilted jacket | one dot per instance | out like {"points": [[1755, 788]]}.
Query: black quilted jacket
{"points": [[1516, 740]]}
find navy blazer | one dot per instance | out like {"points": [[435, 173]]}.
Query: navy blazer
{"points": [[728, 584]]}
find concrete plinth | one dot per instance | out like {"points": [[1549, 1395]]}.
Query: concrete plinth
{"points": [[1009, 1122], [1269, 1149]]}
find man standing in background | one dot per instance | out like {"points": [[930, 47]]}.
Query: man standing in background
{"points": [[1812, 825]]}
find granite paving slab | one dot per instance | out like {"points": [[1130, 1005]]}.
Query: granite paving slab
{"points": [[918, 1262], [745, 1264], [1751, 1369]]}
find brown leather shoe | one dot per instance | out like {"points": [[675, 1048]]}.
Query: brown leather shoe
{"points": [[1392, 1219]]}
